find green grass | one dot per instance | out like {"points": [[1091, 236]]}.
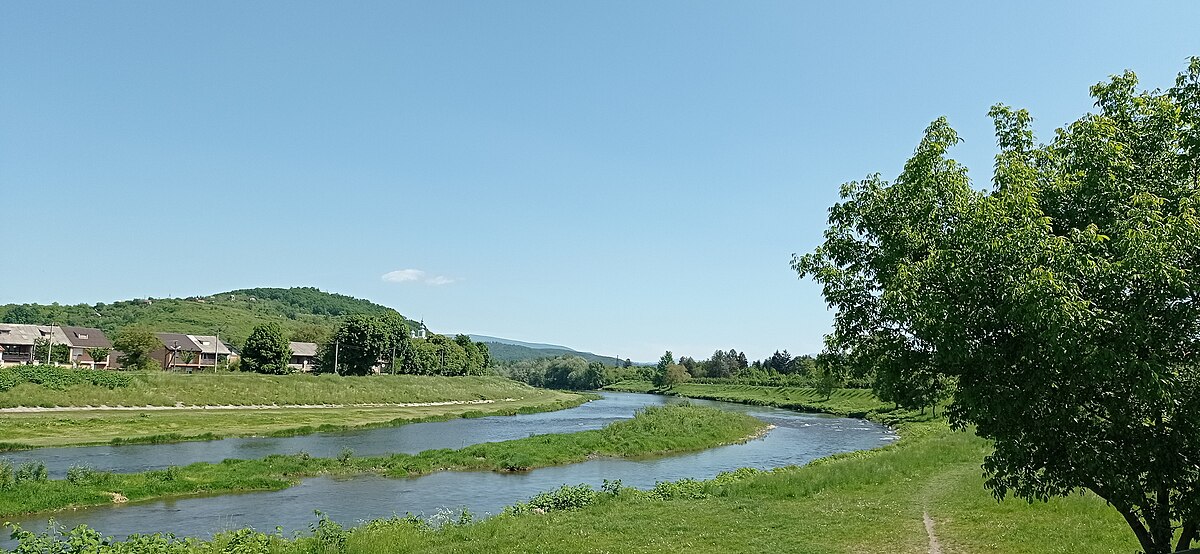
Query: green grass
{"points": [[653, 431], [862, 502], [859, 403], [90, 426], [23, 431], [243, 389]]}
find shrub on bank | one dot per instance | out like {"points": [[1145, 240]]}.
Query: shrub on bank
{"points": [[59, 378]]}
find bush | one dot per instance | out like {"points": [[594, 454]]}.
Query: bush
{"points": [[567, 497], [59, 378], [34, 472], [6, 475]]}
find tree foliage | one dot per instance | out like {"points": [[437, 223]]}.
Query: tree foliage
{"points": [[1062, 306], [266, 350], [566, 372], [58, 353], [357, 347], [136, 345]]}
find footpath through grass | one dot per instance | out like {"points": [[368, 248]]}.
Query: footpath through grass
{"points": [[655, 430], [85, 424]]}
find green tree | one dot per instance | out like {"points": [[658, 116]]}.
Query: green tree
{"points": [[136, 345], [59, 353], [99, 354], [1061, 304], [311, 333], [266, 350], [357, 346]]}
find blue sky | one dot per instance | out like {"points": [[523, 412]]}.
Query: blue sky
{"points": [[619, 177]]}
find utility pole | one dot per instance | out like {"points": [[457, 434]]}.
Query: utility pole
{"points": [[393, 355], [51, 348], [215, 350], [337, 341]]}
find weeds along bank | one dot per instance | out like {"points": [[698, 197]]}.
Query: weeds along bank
{"points": [[64, 404], [653, 431]]}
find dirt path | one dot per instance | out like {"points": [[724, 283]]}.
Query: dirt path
{"points": [[181, 406], [934, 547]]}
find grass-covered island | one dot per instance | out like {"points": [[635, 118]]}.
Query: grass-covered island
{"points": [[652, 431], [49, 406]]}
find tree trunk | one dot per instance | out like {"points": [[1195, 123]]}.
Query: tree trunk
{"points": [[1186, 536]]}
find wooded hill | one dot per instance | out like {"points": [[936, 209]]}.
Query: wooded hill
{"points": [[503, 352], [305, 313]]}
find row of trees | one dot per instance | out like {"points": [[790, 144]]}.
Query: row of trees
{"points": [[568, 372], [363, 344]]}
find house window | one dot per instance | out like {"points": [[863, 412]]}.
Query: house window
{"points": [[82, 336]]}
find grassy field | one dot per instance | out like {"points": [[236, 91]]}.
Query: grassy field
{"points": [[656, 430], [247, 389], [98, 426]]}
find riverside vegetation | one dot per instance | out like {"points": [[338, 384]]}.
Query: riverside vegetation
{"points": [[869, 501], [653, 431], [359, 401]]}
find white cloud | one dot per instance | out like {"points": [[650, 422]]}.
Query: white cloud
{"points": [[403, 275], [416, 276]]}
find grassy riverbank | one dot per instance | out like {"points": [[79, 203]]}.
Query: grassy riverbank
{"points": [[83, 423], [872, 501], [860, 403], [654, 431], [251, 389]]}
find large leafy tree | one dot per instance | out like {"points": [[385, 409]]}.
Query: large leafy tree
{"points": [[136, 345], [266, 350], [1062, 305], [357, 347]]}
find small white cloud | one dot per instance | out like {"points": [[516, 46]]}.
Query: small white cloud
{"points": [[416, 276], [403, 275]]}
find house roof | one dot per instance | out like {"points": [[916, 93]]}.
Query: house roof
{"points": [[86, 337], [14, 333], [303, 348], [176, 341], [205, 344]]}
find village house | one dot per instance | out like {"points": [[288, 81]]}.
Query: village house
{"points": [[17, 341], [304, 355], [83, 341], [187, 352]]}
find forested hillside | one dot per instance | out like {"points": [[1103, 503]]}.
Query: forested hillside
{"points": [[512, 353], [305, 313]]}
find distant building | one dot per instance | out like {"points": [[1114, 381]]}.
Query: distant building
{"points": [[304, 356], [82, 339], [188, 352], [17, 341]]}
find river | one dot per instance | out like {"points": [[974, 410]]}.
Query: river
{"points": [[796, 439]]}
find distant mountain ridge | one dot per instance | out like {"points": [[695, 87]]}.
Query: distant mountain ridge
{"points": [[534, 345], [509, 350]]}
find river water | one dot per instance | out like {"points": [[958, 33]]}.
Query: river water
{"points": [[796, 439]]}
